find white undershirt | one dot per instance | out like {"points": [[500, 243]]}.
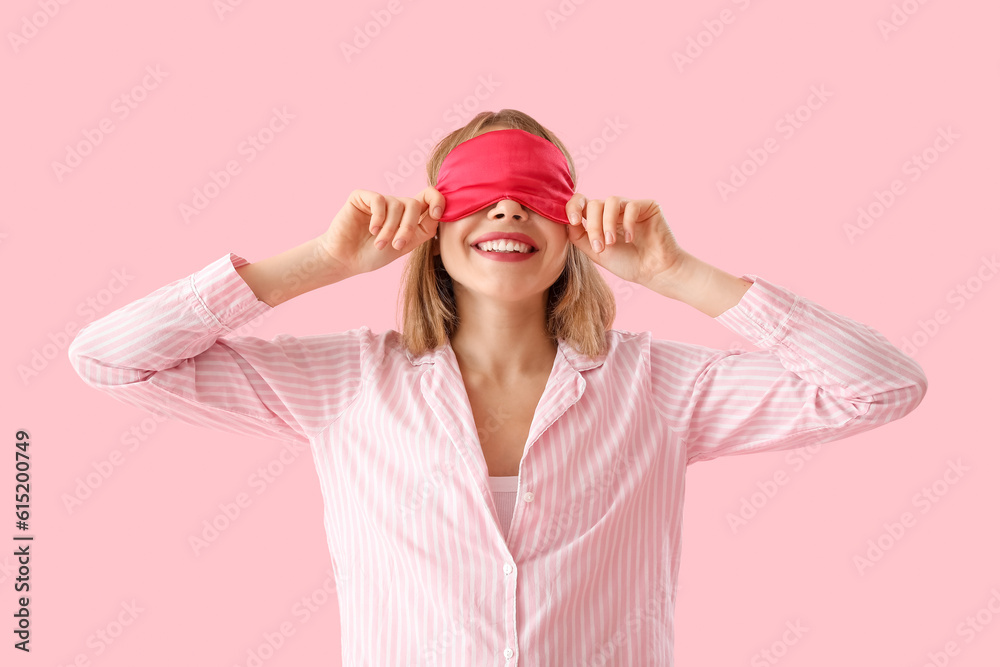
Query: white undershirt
{"points": [[504, 496]]}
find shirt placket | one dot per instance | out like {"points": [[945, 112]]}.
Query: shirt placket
{"points": [[563, 388]]}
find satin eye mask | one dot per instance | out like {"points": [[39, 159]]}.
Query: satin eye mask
{"points": [[505, 164]]}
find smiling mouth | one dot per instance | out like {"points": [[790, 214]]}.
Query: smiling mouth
{"points": [[501, 247]]}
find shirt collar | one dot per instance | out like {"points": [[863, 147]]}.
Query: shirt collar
{"points": [[574, 358]]}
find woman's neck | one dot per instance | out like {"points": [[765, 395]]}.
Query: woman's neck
{"points": [[505, 357]]}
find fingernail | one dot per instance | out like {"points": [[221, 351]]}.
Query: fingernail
{"points": [[574, 218], [437, 212], [375, 230], [628, 237], [609, 238], [380, 244], [397, 244], [597, 245]]}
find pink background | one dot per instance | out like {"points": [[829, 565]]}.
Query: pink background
{"points": [[111, 231]]}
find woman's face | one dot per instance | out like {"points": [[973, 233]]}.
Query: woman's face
{"points": [[479, 272], [487, 274]]}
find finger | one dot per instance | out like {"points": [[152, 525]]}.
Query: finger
{"points": [[376, 205], [392, 218], [595, 211], [612, 214], [427, 225], [578, 237], [412, 211], [574, 208], [432, 200], [631, 215], [577, 233]]}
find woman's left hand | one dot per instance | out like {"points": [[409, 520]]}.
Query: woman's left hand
{"points": [[641, 246]]}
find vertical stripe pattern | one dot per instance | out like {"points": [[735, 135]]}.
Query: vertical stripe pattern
{"points": [[586, 574]]}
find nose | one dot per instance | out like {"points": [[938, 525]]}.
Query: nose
{"points": [[507, 209]]}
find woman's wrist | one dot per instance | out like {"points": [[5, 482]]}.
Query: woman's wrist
{"points": [[292, 273], [700, 285]]}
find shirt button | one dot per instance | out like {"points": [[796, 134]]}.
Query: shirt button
{"points": [[507, 569], [528, 497], [507, 653]]}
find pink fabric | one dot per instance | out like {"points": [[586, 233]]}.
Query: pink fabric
{"points": [[425, 574], [505, 164]]}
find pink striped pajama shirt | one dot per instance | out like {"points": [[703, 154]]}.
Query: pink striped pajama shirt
{"points": [[587, 573]]}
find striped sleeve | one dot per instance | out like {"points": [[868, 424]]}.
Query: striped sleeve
{"points": [[168, 353], [815, 376]]}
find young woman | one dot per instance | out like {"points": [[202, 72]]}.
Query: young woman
{"points": [[503, 478]]}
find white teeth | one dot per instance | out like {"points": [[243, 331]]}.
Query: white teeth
{"points": [[504, 246]]}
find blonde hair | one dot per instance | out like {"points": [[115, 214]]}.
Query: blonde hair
{"points": [[581, 305]]}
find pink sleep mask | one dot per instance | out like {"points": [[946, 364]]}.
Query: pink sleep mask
{"points": [[505, 164]]}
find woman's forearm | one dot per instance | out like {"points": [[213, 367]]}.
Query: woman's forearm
{"points": [[287, 275], [701, 285]]}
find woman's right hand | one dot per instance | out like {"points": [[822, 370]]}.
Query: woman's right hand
{"points": [[369, 218]]}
